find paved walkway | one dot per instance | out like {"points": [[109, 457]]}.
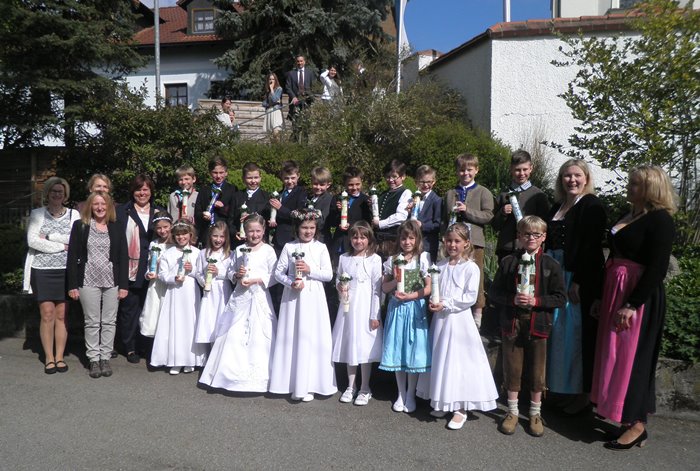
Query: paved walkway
{"points": [[141, 419]]}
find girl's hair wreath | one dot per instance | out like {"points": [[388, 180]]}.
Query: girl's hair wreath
{"points": [[307, 214]]}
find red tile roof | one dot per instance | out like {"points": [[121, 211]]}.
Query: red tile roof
{"points": [[585, 24], [173, 30]]}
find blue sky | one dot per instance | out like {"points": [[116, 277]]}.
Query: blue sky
{"points": [[445, 24]]}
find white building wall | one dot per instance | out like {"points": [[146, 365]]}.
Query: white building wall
{"points": [[193, 66], [470, 74], [575, 8]]}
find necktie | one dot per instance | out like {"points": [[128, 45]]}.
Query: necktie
{"points": [[301, 81]]}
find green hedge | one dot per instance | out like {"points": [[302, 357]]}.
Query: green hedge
{"points": [[681, 338]]}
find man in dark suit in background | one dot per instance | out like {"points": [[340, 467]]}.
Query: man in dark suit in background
{"points": [[298, 85]]}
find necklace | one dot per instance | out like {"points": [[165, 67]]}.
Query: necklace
{"points": [[58, 213]]}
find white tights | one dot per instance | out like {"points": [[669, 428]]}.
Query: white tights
{"points": [[406, 384], [366, 369]]}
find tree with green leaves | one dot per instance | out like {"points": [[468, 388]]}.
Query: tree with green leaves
{"points": [[268, 34], [637, 96], [54, 55]]}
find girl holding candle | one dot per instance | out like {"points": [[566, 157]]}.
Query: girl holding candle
{"points": [[212, 266], [406, 346], [245, 330], [174, 344], [357, 333], [301, 363], [162, 224], [460, 378]]}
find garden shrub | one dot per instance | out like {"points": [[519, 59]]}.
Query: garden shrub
{"points": [[681, 339]]}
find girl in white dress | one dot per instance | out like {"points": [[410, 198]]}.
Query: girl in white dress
{"points": [[301, 362], [215, 260], [460, 378], [357, 332], [240, 359], [162, 224], [174, 344]]}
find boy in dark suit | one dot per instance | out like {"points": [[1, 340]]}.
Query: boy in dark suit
{"points": [[359, 209], [429, 210], [214, 202], [322, 200], [255, 199], [292, 197]]}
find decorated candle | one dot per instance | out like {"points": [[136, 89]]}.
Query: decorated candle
{"points": [[453, 215], [344, 281], [434, 284], [526, 275], [416, 205], [517, 212], [181, 272], [241, 229], [184, 203], [154, 256], [215, 196], [298, 256], [273, 211], [244, 252], [375, 202], [210, 275], [399, 274], [344, 210]]}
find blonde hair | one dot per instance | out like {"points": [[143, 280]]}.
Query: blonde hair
{"points": [[50, 183], [462, 231], [657, 189], [462, 161], [185, 170], [410, 227], [560, 191], [99, 176], [425, 170], [223, 227], [531, 223], [363, 228], [86, 212], [321, 175]]}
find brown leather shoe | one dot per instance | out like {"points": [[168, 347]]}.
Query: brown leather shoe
{"points": [[508, 424], [536, 425]]}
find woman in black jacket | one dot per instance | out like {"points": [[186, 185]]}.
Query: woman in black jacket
{"points": [[576, 228], [98, 276]]}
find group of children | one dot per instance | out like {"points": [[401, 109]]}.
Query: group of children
{"points": [[217, 306]]}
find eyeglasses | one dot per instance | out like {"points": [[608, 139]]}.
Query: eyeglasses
{"points": [[532, 235], [426, 182], [393, 177], [57, 192]]}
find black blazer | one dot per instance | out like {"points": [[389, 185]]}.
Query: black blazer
{"points": [[227, 196], [286, 226], [323, 204], [291, 85], [78, 255], [258, 203], [126, 211], [430, 218]]}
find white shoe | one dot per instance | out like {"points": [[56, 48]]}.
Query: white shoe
{"points": [[307, 398], [452, 425], [438, 413], [410, 406], [175, 370], [348, 395], [398, 406], [363, 398], [188, 369]]}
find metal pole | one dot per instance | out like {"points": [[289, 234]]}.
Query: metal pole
{"points": [[506, 11], [399, 5], [156, 28]]}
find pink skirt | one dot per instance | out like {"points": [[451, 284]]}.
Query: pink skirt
{"points": [[615, 349]]}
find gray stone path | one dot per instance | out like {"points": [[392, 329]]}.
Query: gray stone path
{"points": [[140, 419]]}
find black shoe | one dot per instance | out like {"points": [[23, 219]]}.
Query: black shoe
{"points": [[50, 368], [114, 354], [640, 441], [95, 371], [133, 357], [61, 366], [105, 368]]}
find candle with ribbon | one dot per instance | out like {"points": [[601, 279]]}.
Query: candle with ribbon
{"points": [[210, 275], [453, 215], [273, 211], [241, 229], [375, 202], [297, 255], [184, 202], [526, 275], [399, 273], [344, 281], [417, 196], [184, 259], [513, 199], [344, 210], [153, 259], [434, 272], [215, 192], [244, 254]]}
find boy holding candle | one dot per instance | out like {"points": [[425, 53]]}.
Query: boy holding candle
{"points": [[214, 202], [527, 287], [472, 204], [291, 197], [181, 203], [255, 199], [428, 212], [358, 210], [520, 199], [322, 200]]}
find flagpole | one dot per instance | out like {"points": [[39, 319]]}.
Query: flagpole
{"points": [[506, 11], [399, 28]]}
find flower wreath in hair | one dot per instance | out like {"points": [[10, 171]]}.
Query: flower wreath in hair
{"points": [[305, 214], [465, 225]]}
